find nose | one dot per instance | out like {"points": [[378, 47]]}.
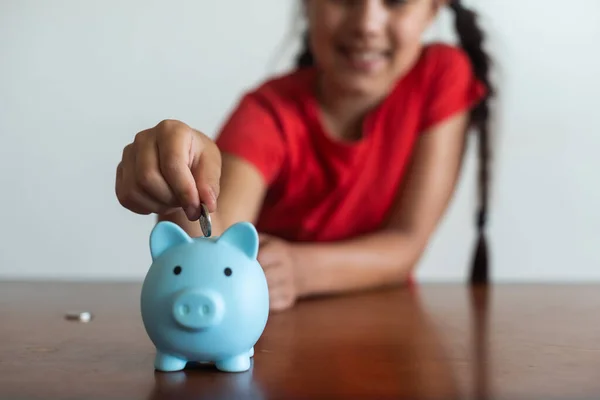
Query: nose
{"points": [[198, 309], [370, 17]]}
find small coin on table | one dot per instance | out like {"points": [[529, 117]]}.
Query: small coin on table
{"points": [[79, 316]]}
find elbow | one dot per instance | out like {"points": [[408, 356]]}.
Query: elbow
{"points": [[406, 253]]}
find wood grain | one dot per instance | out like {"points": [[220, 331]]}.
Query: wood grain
{"points": [[427, 342]]}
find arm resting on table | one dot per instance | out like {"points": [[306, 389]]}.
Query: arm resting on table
{"points": [[390, 255]]}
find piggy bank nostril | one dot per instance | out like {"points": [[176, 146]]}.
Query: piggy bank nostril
{"points": [[204, 309], [184, 309]]}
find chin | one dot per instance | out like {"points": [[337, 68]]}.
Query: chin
{"points": [[360, 76], [361, 85]]}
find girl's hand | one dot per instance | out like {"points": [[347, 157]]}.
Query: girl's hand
{"points": [[277, 259], [169, 167]]}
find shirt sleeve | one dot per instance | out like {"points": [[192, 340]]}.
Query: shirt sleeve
{"points": [[252, 132], [454, 87]]}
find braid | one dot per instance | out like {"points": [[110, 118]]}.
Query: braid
{"points": [[471, 39]]}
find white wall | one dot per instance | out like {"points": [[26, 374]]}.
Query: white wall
{"points": [[79, 79]]}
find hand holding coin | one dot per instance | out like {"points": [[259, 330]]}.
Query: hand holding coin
{"points": [[167, 168]]}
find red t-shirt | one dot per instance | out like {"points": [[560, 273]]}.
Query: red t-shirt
{"points": [[323, 189]]}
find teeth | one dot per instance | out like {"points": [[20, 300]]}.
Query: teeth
{"points": [[365, 56]]}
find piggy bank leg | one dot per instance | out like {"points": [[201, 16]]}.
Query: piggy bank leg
{"points": [[168, 363], [238, 363], [251, 352]]}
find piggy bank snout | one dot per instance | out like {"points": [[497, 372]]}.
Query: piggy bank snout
{"points": [[198, 309]]}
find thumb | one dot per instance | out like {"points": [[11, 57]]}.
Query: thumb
{"points": [[264, 239], [206, 169]]}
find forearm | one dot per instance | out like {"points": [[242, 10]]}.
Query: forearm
{"points": [[375, 260], [388, 257]]}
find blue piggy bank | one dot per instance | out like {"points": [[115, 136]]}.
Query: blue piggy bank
{"points": [[203, 299]]}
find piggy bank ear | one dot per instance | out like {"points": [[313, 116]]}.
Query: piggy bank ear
{"points": [[242, 235], [165, 235]]}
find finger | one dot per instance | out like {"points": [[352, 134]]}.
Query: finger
{"points": [[128, 193], [127, 196], [276, 277], [280, 301], [277, 305], [174, 150], [264, 239], [147, 172], [142, 204], [206, 169], [123, 184], [267, 257]]}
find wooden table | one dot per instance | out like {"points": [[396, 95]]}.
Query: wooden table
{"points": [[426, 342]]}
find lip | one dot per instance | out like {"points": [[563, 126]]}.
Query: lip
{"points": [[364, 59]]}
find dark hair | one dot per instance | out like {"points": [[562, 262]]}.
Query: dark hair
{"points": [[471, 39], [305, 58]]}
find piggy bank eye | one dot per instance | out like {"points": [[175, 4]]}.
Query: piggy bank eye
{"points": [[228, 271], [177, 270]]}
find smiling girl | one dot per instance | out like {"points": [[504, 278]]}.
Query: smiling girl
{"points": [[345, 164]]}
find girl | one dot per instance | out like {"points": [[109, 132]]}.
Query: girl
{"points": [[345, 164]]}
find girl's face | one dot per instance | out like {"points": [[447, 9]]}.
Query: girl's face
{"points": [[363, 46]]}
